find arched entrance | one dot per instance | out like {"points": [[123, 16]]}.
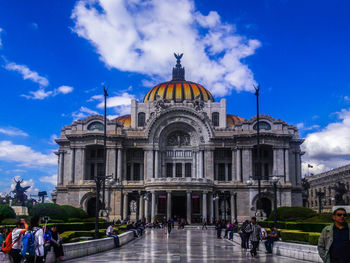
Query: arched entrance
{"points": [[91, 207], [266, 205]]}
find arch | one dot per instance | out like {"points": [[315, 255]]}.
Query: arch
{"points": [[95, 125], [266, 202]]}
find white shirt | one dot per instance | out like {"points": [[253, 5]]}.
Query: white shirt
{"points": [[39, 241], [109, 230], [15, 234]]}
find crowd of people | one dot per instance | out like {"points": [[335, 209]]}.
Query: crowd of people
{"points": [[31, 243]]}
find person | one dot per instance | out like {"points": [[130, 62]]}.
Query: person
{"points": [[2, 236], [218, 227], [47, 241], [272, 236], [228, 229], [111, 233], [245, 233], [172, 222], [204, 224], [17, 236], [334, 243], [255, 235], [56, 243], [38, 240], [169, 223]]}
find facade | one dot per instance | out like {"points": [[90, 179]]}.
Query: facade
{"points": [[325, 183], [179, 154]]}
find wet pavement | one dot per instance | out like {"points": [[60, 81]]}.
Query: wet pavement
{"points": [[188, 245]]}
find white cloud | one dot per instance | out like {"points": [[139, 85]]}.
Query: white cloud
{"points": [[12, 131], [39, 94], [64, 89], [330, 147], [83, 112], [27, 73], [49, 179], [301, 127], [25, 156], [115, 101], [138, 36], [347, 98]]}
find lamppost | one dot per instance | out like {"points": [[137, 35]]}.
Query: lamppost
{"points": [[235, 205], [275, 180], [105, 94], [258, 170], [320, 196]]}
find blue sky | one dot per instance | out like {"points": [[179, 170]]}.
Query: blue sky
{"points": [[55, 55]]}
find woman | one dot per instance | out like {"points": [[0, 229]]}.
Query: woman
{"points": [[57, 244]]}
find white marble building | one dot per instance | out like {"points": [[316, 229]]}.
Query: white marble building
{"points": [[181, 149]]}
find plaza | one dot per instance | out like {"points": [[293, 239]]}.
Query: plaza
{"points": [[189, 245]]}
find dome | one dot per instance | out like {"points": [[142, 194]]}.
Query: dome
{"points": [[124, 120], [232, 120], [178, 89]]}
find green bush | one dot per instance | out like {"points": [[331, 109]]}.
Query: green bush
{"points": [[321, 218], [74, 236], [313, 238], [73, 212], [294, 235], [77, 226], [297, 213], [54, 211], [6, 212], [9, 221], [301, 226]]}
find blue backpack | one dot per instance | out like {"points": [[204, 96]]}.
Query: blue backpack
{"points": [[28, 244]]}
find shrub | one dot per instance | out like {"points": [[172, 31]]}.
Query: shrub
{"points": [[321, 218], [297, 213], [294, 235], [9, 221], [73, 212], [313, 238], [6, 212], [54, 211]]}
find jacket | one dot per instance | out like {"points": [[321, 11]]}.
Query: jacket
{"points": [[325, 242]]}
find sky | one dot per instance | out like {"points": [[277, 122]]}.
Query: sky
{"points": [[56, 55]]}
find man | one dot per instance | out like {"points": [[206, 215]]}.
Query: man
{"points": [[17, 236], [254, 236], [333, 244], [111, 233], [272, 236]]}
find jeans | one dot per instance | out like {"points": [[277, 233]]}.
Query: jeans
{"points": [[245, 240], [255, 246], [116, 240], [269, 244]]}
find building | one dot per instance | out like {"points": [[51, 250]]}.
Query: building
{"points": [[325, 183], [179, 154]]}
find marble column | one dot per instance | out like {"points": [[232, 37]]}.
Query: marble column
{"points": [[141, 215], [233, 166], [125, 206], [238, 165], [147, 211], [72, 165], [211, 208], [189, 207], [194, 166], [286, 163], [232, 204], [247, 163], [153, 208], [83, 163], [61, 171], [149, 164], [201, 174], [119, 166], [217, 209], [168, 207], [59, 177], [204, 208], [226, 172], [156, 164]]}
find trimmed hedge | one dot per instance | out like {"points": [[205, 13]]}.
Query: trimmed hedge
{"points": [[301, 226], [77, 226], [295, 213], [58, 212], [299, 236]]}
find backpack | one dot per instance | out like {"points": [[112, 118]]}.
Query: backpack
{"points": [[7, 244], [28, 244]]}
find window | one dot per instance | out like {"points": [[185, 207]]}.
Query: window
{"points": [[229, 172], [95, 126], [178, 170], [169, 170], [221, 172], [137, 174], [128, 172], [215, 119], [188, 169], [141, 119], [263, 125], [94, 162]]}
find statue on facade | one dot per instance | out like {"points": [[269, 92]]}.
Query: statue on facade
{"points": [[160, 103], [20, 192], [198, 103], [340, 189], [133, 206]]}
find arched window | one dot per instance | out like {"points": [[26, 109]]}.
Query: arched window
{"points": [[263, 125], [141, 119], [215, 119], [96, 125]]}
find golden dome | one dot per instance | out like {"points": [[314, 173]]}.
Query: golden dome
{"points": [[178, 90], [124, 120], [232, 120]]}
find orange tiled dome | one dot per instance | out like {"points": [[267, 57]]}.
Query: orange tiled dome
{"points": [[124, 120], [231, 120]]}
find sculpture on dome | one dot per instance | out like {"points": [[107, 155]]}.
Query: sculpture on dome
{"points": [[19, 192], [178, 70], [178, 59]]}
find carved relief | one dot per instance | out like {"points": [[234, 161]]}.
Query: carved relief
{"points": [[178, 138]]}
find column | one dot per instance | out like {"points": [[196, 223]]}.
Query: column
{"points": [[226, 172], [174, 169], [119, 166], [204, 208], [112, 161], [233, 165], [238, 165], [201, 164], [153, 209], [247, 163], [209, 164], [211, 208], [141, 215], [168, 207], [72, 165], [156, 164], [147, 211], [59, 177], [217, 209], [194, 166], [183, 170], [61, 171], [286, 163], [189, 207], [274, 167], [197, 165], [232, 204], [149, 164], [83, 162], [125, 206]]}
